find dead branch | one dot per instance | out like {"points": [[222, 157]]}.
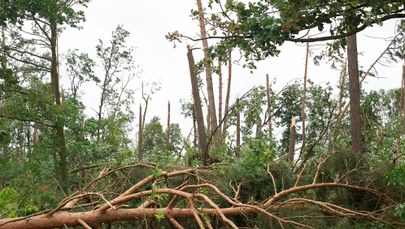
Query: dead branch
{"points": [[199, 205]]}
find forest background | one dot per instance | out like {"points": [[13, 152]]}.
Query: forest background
{"points": [[113, 135]]}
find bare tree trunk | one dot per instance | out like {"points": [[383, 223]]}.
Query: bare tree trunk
{"points": [[35, 135], [269, 107], [304, 94], [354, 91], [3, 46], [291, 145], [208, 71], [228, 93], [146, 100], [219, 95], [258, 128], [140, 130], [202, 138], [4, 148], [62, 152], [3, 60], [237, 128], [341, 88], [402, 99], [168, 127]]}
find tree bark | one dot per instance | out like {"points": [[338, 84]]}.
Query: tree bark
{"points": [[237, 128], [228, 93], [168, 127], [62, 152], [354, 91], [402, 100], [140, 129], [70, 219], [269, 109], [219, 95], [3, 46], [202, 138], [208, 71], [304, 93], [291, 145]]}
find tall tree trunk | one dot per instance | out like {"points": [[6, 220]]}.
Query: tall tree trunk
{"points": [[291, 145], [202, 138], [402, 99], [208, 71], [101, 105], [3, 46], [269, 107], [228, 93], [140, 129], [146, 100], [168, 127], [237, 128], [341, 89], [354, 91], [62, 163], [219, 95], [4, 149], [304, 94]]}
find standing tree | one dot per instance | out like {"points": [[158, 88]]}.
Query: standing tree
{"points": [[354, 91], [36, 25], [259, 27], [202, 137], [117, 65], [208, 71]]}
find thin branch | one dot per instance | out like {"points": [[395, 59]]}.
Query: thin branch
{"points": [[318, 169], [84, 224], [174, 222], [272, 179]]}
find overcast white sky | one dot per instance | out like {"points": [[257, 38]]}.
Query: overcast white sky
{"points": [[149, 22]]}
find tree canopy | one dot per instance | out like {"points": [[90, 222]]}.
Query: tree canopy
{"points": [[259, 27]]}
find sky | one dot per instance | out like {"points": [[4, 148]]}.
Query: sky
{"points": [[149, 21]]}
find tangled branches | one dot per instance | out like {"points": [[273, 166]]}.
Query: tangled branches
{"points": [[190, 196]]}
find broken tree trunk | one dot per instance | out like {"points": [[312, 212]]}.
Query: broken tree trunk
{"points": [[208, 73], [202, 138], [291, 145]]}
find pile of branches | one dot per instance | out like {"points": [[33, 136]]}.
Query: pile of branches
{"points": [[178, 195]]}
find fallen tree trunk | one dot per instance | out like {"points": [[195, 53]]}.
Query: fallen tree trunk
{"points": [[194, 198], [70, 219]]}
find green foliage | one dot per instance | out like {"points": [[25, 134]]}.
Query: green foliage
{"points": [[28, 116], [79, 67], [60, 11], [8, 202], [160, 215], [288, 105], [156, 172], [258, 28], [154, 145], [396, 176], [400, 210]]}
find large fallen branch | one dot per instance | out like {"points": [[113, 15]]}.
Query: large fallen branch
{"points": [[142, 201]]}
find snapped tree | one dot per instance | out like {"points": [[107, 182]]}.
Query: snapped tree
{"points": [[258, 28]]}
